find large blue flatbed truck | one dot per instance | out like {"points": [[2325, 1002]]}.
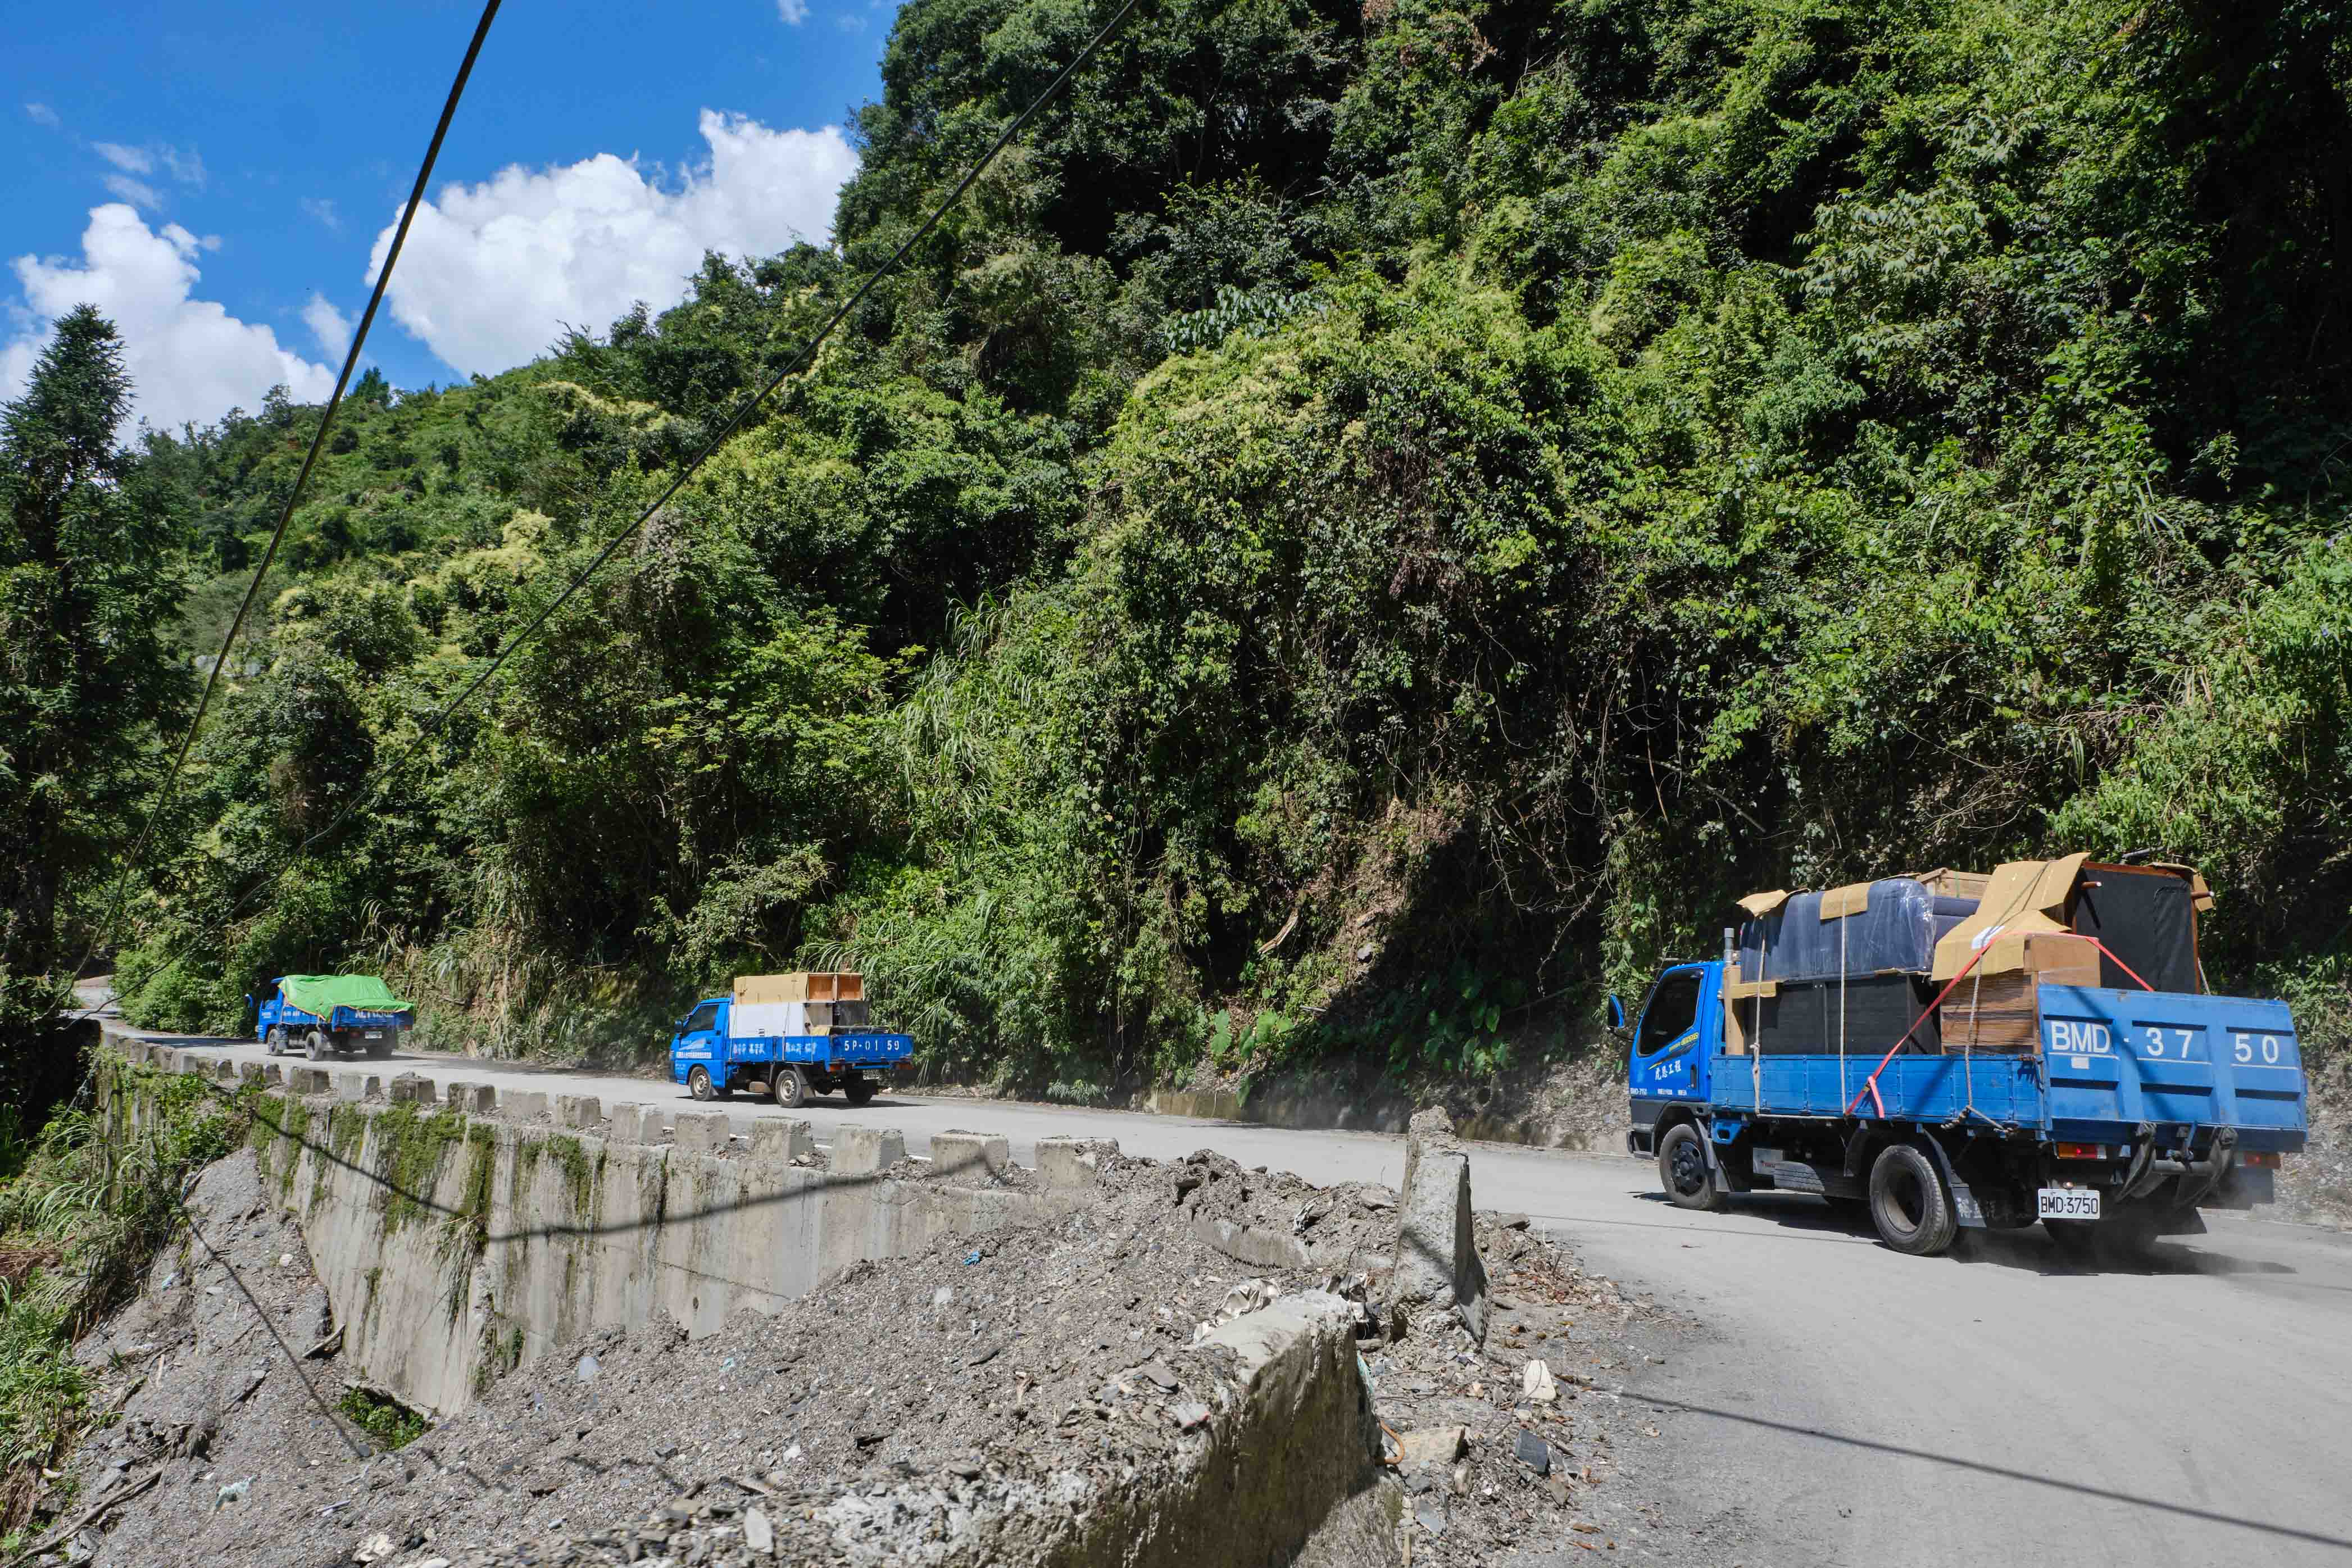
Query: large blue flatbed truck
{"points": [[2041, 1051], [787, 1036]]}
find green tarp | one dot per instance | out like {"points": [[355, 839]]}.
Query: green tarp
{"points": [[321, 994]]}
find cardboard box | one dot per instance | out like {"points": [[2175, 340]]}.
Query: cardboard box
{"points": [[2002, 1013], [1946, 882]]}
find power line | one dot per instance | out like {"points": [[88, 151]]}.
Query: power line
{"points": [[309, 458], [744, 411]]}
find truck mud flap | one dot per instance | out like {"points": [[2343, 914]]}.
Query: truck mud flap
{"points": [[1965, 1206]]}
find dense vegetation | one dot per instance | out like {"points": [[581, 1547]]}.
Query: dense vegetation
{"points": [[1367, 526]]}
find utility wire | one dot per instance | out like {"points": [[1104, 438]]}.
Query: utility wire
{"points": [[744, 411], [294, 495]]}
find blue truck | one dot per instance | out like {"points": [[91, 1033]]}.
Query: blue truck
{"points": [[787, 1036], [329, 1015], [1956, 1051]]}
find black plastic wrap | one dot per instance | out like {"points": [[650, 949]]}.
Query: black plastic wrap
{"points": [[1897, 933]]}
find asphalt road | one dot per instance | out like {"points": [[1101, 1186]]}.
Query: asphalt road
{"points": [[1844, 1405]]}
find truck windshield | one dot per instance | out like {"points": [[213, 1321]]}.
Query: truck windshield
{"points": [[1674, 1008], [701, 1019]]}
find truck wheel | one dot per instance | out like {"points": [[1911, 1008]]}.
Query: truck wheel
{"points": [[857, 1089], [791, 1088], [698, 1083], [1682, 1169], [317, 1046], [273, 1041], [1909, 1203]]}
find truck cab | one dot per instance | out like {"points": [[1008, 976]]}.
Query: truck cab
{"points": [[788, 1036]]}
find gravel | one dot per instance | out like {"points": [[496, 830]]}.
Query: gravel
{"points": [[1024, 1372]]}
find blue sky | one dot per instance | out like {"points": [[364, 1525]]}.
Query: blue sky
{"points": [[217, 179]]}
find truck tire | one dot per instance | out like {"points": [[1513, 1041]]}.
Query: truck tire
{"points": [[856, 1088], [317, 1046], [1682, 1169], [792, 1087], [274, 1042], [1909, 1203], [698, 1084]]}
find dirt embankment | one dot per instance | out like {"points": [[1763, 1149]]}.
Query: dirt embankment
{"points": [[1037, 1370]]}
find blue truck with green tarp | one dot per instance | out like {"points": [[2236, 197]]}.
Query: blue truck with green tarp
{"points": [[329, 1015], [1956, 1050]]}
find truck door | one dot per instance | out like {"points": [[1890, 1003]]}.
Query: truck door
{"points": [[1669, 1045], [698, 1037]]}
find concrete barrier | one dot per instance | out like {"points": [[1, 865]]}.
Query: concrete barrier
{"points": [[626, 1123], [702, 1131], [865, 1151], [474, 1098], [249, 1072], [225, 1071], [408, 1089], [1072, 1162], [781, 1138], [579, 1111], [525, 1105], [310, 1081], [1286, 1470], [960, 1156], [353, 1087]]}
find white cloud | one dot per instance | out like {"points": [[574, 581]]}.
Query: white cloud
{"points": [[138, 193], [493, 272], [330, 326], [41, 114], [793, 12], [189, 358], [322, 210], [187, 168], [131, 160]]}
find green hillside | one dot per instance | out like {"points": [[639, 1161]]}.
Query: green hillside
{"points": [[1368, 526]]}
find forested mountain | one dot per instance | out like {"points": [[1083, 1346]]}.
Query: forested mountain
{"points": [[1367, 524]]}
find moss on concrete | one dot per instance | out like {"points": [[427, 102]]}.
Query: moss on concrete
{"points": [[409, 1152]]}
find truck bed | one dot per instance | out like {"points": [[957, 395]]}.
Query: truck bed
{"points": [[2108, 1059]]}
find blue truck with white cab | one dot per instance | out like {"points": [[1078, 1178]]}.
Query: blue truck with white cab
{"points": [[1958, 1051], [789, 1036], [328, 1015]]}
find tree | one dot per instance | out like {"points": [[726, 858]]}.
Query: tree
{"points": [[88, 585]]}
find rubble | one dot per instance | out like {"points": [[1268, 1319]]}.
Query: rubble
{"points": [[1022, 1375]]}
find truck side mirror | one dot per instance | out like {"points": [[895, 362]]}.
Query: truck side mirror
{"points": [[1616, 1013]]}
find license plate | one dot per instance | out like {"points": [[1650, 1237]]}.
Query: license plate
{"points": [[375, 1034], [2067, 1203]]}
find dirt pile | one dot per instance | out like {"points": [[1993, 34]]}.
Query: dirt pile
{"points": [[1013, 1379]]}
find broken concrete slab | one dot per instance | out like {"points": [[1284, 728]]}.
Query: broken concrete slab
{"points": [[781, 1138], [1253, 1245], [961, 1156], [1431, 1445], [865, 1151], [1436, 1267], [702, 1131], [1072, 1162]]}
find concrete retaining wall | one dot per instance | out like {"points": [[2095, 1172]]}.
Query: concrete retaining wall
{"points": [[455, 1245]]}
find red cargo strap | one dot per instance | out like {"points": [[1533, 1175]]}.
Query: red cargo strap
{"points": [[1870, 1084]]}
